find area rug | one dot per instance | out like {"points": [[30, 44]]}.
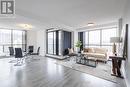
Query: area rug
{"points": [[102, 70]]}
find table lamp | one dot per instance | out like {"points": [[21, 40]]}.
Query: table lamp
{"points": [[114, 40]]}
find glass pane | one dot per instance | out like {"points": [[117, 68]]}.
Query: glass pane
{"points": [[106, 35], [1, 49], [50, 43], [5, 36], [94, 37], [17, 46], [17, 37], [109, 48], [54, 44], [5, 41], [6, 48], [86, 45], [93, 46], [60, 48], [24, 47], [24, 37], [24, 42], [86, 38]]}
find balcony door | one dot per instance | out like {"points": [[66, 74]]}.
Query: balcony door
{"points": [[54, 44], [51, 42]]}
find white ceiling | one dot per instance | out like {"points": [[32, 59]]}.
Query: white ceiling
{"points": [[70, 14]]}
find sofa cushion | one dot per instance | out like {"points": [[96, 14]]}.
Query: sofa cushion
{"points": [[90, 54], [100, 55], [85, 49], [70, 50], [89, 50], [96, 55], [100, 50]]}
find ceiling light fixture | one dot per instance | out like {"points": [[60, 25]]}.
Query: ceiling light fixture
{"points": [[25, 26], [90, 24]]}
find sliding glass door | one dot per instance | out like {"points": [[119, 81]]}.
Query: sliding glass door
{"points": [[54, 42], [51, 42]]}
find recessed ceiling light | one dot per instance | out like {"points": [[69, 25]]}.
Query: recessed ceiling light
{"points": [[25, 26], [90, 24]]}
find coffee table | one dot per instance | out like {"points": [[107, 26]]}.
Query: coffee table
{"points": [[85, 60], [80, 59], [91, 61]]}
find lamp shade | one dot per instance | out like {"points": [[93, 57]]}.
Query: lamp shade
{"points": [[115, 40]]}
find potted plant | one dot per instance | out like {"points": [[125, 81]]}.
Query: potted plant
{"points": [[78, 45]]}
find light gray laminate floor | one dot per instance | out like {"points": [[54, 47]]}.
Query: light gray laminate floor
{"points": [[45, 73]]}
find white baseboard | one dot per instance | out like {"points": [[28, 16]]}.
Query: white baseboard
{"points": [[55, 56]]}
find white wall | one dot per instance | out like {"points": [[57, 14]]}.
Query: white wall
{"points": [[31, 39], [37, 39], [41, 41], [126, 20]]}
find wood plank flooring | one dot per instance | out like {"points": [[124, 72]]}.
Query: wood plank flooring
{"points": [[45, 73]]}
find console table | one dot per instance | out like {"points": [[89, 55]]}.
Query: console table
{"points": [[116, 65]]}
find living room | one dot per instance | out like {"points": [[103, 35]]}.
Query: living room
{"points": [[65, 44]]}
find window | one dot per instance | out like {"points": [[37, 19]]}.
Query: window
{"points": [[99, 38], [14, 38]]}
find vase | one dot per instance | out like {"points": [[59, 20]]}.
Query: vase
{"points": [[77, 49]]}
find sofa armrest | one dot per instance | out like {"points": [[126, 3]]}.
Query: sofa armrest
{"points": [[106, 54]]}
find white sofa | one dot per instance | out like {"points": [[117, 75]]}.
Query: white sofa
{"points": [[99, 53]]}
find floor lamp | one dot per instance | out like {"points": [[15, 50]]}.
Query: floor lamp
{"points": [[114, 40]]}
